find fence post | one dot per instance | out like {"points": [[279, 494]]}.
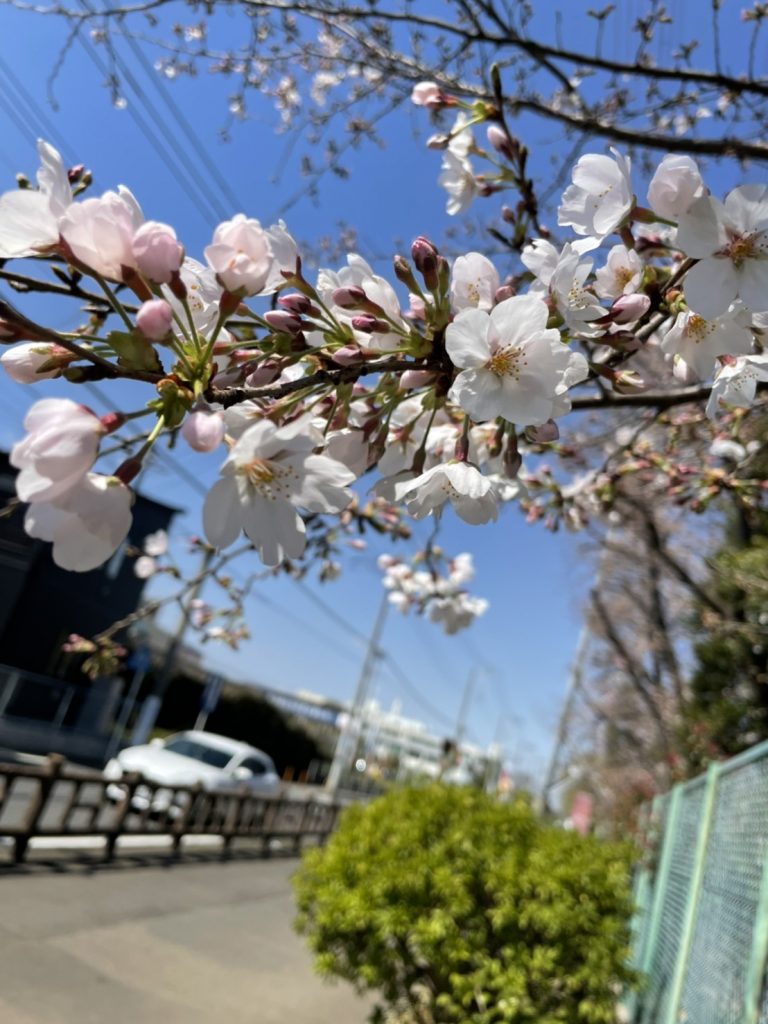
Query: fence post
{"points": [[124, 808], [661, 878], [759, 954], [694, 888], [49, 773]]}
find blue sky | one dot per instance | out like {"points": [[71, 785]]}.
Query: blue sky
{"points": [[534, 580]]}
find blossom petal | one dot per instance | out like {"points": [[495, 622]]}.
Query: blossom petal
{"points": [[466, 339], [701, 231], [222, 519], [710, 287]]}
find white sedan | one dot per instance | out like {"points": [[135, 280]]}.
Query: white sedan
{"points": [[218, 763]]}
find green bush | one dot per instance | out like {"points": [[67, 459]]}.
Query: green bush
{"points": [[459, 910]]}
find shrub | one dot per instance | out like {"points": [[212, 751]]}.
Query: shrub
{"points": [[456, 908]]}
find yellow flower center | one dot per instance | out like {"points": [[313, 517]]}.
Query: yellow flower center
{"points": [[506, 362], [258, 471]]}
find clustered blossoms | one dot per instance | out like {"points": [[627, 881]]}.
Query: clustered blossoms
{"points": [[420, 585], [439, 382]]}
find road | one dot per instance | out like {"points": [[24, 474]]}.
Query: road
{"points": [[197, 943]]}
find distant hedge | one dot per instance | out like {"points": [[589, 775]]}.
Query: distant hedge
{"points": [[457, 909]]}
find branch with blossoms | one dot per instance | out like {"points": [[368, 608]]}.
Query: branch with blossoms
{"points": [[306, 387]]}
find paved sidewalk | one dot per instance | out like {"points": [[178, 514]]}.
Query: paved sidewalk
{"points": [[196, 943]]}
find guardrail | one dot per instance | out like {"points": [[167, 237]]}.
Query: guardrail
{"points": [[58, 800]]}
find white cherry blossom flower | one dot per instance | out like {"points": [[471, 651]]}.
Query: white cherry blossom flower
{"points": [[86, 525], [60, 447], [621, 274], [474, 282], [248, 258], [600, 197], [736, 383], [457, 612], [674, 186], [269, 472], [458, 179], [730, 241], [575, 303], [359, 274], [99, 233], [696, 342], [156, 543], [512, 366], [29, 218], [471, 494]]}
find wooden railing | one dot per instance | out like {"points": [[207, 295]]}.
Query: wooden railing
{"points": [[58, 800]]}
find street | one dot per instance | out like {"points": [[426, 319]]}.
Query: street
{"points": [[196, 943]]}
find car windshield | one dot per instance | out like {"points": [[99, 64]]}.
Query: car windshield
{"points": [[199, 752]]}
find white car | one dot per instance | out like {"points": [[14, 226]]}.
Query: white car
{"points": [[218, 763]]}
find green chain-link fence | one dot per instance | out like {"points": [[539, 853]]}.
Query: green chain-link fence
{"points": [[701, 929]]}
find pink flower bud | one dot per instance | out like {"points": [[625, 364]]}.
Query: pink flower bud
{"points": [[429, 95], [347, 356], [415, 379], [23, 362], [350, 297], [154, 319], [112, 421], [506, 291], [500, 141], [203, 431], [283, 321], [297, 303], [157, 253], [629, 307], [369, 324], [544, 434], [128, 470], [264, 374]]}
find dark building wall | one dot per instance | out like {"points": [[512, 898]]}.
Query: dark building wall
{"points": [[41, 604]]}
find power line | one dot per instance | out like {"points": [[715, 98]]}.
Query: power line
{"points": [[184, 124], [396, 671], [38, 114], [178, 170]]}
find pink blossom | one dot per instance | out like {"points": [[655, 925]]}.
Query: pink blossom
{"points": [[157, 253], [203, 431], [99, 233], [154, 319], [247, 259], [86, 525], [60, 447], [428, 94]]}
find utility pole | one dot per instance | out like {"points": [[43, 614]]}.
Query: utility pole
{"points": [[574, 683], [349, 734], [151, 706], [466, 701]]}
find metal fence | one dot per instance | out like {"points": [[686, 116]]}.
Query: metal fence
{"points": [[56, 800], [701, 928]]}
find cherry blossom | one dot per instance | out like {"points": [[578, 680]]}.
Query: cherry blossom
{"points": [[621, 274], [471, 494], [736, 383], [600, 197], [696, 342], [155, 319], [575, 303], [474, 282], [512, 365], [29, 218], [269, 472], [247, 258], [675, 184], [730, 241], [156, 251], [203, 430], [60, 447], [86, 525], [99, 233]]}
